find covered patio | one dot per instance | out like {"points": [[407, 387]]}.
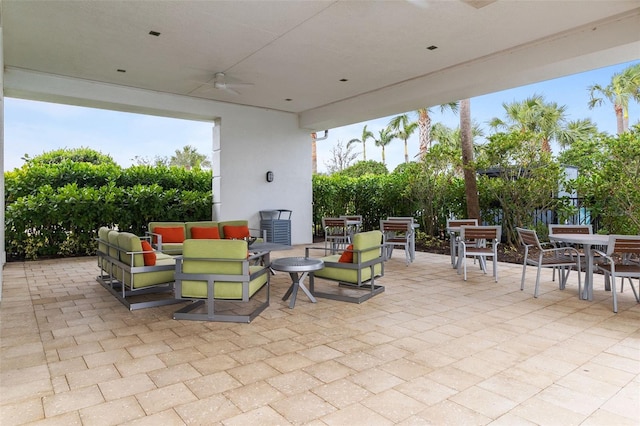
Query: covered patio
{"points": [[431, 349]]}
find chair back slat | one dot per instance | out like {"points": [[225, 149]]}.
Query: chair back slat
{"points": [[456, 223], [624, 244], [480, 232], [570, 229], [395, 226], [529, 237]]}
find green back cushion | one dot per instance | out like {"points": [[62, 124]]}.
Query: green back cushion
{"points": [[218, 249], [364, 240], [130, 242], [103, 239], [114, 253], [361, 241]]}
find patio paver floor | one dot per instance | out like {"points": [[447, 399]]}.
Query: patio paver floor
{"points": [[431, 349]]}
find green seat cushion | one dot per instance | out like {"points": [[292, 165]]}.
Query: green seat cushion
{"points": [[173, 249], [129, 242], [345, 275], [361, 241], [235, 253], [146, 279]]}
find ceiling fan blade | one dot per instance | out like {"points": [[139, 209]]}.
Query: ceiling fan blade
{"points": [[238, 85], [230, 90]]}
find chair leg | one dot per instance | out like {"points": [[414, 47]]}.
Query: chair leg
{"points": [[563, 273], [495, 267], [633, 288], [613, 293], [536, 290], [524, 271], [482, 261]]}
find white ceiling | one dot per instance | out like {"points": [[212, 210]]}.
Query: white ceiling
{"points": [[300, 50]]}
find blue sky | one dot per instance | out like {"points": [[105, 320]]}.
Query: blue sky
{"points": [[36, 127]]}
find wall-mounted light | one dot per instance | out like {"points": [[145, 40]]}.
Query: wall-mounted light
{"points": [[269, 176]]}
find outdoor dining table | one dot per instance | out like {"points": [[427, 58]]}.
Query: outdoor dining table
{"points": [[453, 232], [587, 241]]}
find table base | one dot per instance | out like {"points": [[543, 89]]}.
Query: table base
{"points": [[298, 282]]}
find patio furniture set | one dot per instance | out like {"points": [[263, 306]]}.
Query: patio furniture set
{"points": [[571, 247], [226, 279], [397, 232]]}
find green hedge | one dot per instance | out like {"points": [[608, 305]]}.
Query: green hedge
{"points": [[29, 179], [63, 221]]}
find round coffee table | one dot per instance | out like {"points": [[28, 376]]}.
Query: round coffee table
{"points": [[298, 268]]}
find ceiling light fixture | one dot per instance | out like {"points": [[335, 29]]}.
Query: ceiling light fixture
{"points": [[432, 47], [154, 33], [288, 99], [121, 70], [344, 79]]}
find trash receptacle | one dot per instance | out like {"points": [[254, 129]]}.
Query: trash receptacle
{"points": [[277, 225]]}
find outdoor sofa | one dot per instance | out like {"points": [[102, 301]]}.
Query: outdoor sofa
{"points": [[168, 237], [139, 277]]}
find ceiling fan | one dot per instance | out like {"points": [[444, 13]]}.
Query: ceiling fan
{"points": [[220, 83]]}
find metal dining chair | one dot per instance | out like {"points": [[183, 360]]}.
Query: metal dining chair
{"points": [[336, 233], [621, 260], [453, 229], [563, 258], [479, 242], [397, 233]]}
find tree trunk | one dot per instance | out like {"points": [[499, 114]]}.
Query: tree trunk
{"points": [[424, 127], [619, 119], [466, 142], [406, 152]]}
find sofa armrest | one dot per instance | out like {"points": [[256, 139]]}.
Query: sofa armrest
{"points": [[151, 236], [258, 233]]}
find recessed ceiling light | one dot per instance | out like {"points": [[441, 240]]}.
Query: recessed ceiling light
{"points": [[154, 33], [121, 70], [432, 47], [288, 99], [344, 79]]}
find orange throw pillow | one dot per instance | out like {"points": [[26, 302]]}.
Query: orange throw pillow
{"points": [[347, 256], [236, 232], [149, 258], [170, 235], [205, 233]]}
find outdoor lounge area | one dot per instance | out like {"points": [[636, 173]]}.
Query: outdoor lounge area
{"points": [[431, 349]]}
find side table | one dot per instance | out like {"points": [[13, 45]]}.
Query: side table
{"points": [[298, 268]]}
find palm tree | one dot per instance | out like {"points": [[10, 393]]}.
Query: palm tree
{"points": [[624, 86], [546, 119], [424, 125], [385, 137], [466, 143], [403, 129], [366, 134], [189, 158], [577, 130]]}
